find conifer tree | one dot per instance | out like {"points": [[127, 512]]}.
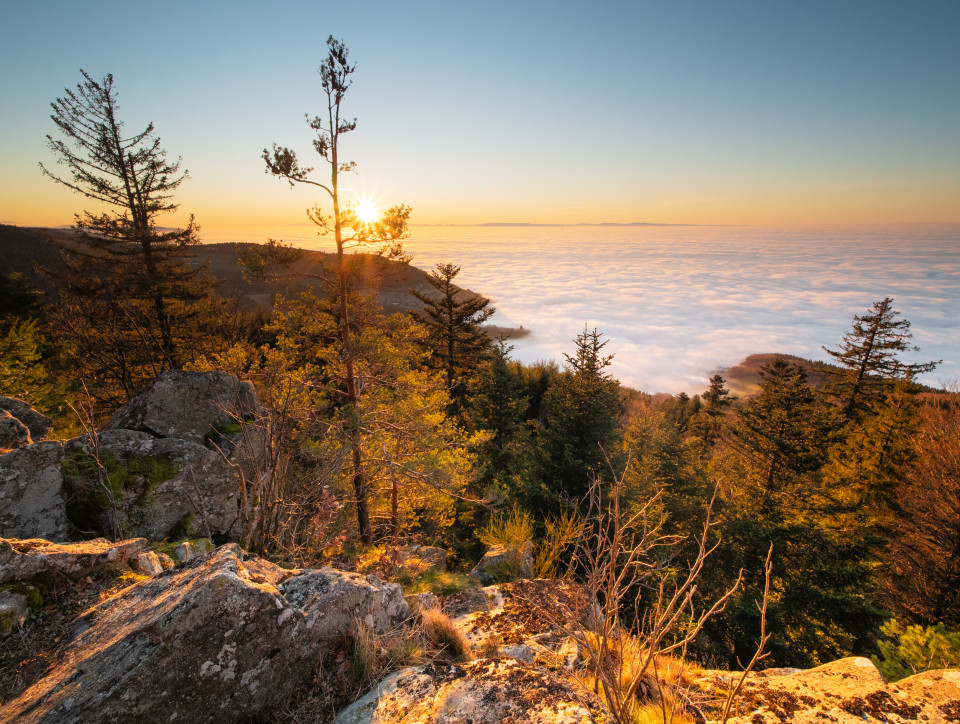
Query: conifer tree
{"points": [[581, 427], [456, 335], [499, 408], [128, 286], [869, 358]]}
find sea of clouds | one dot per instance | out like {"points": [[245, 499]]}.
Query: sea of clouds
{"points": [[678, 303]]}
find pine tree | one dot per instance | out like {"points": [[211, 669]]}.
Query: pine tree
{"points": [[869, 358], [784, 430], [351, 311], [499, 408], [456, 335], [581, 427], [128, 287]]}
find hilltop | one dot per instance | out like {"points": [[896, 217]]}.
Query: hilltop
{"points": [[24, 248]]}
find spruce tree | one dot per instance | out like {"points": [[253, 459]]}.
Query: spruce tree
{"points": [[499, 408], [455, 322], [581, 428], [128, 288], [869, 358]]}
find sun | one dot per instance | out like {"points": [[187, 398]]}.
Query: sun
{"points": [[367, 211]]}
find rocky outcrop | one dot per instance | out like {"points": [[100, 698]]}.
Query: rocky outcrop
{"points": [[32, 498], [487, 691], [13, 433], [848, 691], [504, 563], [521, 632], [165, 465], [23, 560], [157, 487], [38, 425], [189, 405], [224, 638]]}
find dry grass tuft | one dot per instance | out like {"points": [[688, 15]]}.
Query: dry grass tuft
{"points": [[444, 638]]}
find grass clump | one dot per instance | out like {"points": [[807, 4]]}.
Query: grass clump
{"points": [[439, 583], [443, 638], [510, 530]]}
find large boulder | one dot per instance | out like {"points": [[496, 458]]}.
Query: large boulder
{"points": [[32, 498], [153, 487], [38, 425], [504, 563], [22, 560], [225, 638], [487, 691], [189, 405], [847, 691]]}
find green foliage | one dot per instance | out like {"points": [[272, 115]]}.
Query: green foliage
{"points": [[98, 483], [440, 583], [582, 411], [456, 337], [908, 650], [21, 373], [869, 360], [510, 530], [560, 533]]}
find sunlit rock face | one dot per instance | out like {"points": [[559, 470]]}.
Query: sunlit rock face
{"points": [[37, 424], [22, 560], [224, 638], [847, 691], [487, 691]]}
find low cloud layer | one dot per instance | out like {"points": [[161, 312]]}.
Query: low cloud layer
{"points": [[676, 303]]}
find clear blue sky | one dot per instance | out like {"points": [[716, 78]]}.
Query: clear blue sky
{"points": [[707, 112]]}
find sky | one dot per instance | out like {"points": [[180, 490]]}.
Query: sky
{"points": [[689, 112]]}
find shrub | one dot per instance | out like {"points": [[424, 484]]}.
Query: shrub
{"points": [[914, 649], [559, 534], [511, 531]]}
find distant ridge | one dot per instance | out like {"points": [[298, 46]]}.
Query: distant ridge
{"points": [[600, 223]]}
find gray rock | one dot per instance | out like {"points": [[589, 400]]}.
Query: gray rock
{"points": [[188, 405], [487, 691], [166, 561], [21, 560], [149, 564], [190, 549], [39, 425], [222, 639], [504, 563], [422, 601], [32, 500], [346, 598], [14, 610], [166, 487], [13, 433]]}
